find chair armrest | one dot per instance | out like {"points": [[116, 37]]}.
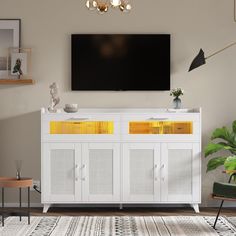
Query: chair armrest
{"points": [[229, 171]]}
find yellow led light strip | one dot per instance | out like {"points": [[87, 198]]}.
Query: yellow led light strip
{"points": [[81, 127], [160, 127]]}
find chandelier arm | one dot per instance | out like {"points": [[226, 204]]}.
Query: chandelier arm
{"points": [[103, 5]]}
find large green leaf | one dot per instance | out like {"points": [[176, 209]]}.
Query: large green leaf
{"points": [[229, 147], [227, 144], [225, 134], [214, 147], [215, 162], [230, 163]]}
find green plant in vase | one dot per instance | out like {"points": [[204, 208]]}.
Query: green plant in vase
{"points": [[225, 139], [176, 93]]}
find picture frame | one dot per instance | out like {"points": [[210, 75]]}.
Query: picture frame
{"points": [[10, 36], [19, 60]]}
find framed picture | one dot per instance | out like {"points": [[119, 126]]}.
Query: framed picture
{"points": [[9, 37], [19, 60], [19, 63]]}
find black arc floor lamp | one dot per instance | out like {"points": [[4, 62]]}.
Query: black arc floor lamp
{"points": [[200, 59]]}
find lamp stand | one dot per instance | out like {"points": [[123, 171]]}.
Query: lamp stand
{"points": [[213, 54]]}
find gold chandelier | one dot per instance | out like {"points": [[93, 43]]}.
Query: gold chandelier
{"points": [[102, 6]]}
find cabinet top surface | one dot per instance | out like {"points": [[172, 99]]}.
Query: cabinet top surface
{"points": [[127, 110]]}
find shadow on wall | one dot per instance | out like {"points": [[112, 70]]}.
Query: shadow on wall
{"points": [[20, 140]]}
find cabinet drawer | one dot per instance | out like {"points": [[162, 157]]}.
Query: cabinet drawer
{"points": [[160, 127], [82, 127], [163, 127]]}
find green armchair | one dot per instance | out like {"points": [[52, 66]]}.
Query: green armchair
{"points": [[224, 192]]}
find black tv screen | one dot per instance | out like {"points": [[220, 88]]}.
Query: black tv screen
{"points": [[120, 62]]}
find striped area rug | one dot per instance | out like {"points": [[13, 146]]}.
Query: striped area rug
{"points": [[118, 226]]}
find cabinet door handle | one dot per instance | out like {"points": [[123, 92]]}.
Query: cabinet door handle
{"points": [[76, 172], [74, 118], [158, 118], [155, 172], [84, 172], [162, 167]]}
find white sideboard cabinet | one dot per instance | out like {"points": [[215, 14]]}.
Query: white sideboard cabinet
{"points": [[121, 156]]}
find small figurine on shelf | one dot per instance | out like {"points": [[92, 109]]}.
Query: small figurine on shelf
{"points": [[54, 98]]}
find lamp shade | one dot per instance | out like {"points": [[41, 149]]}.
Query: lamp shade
{"points": [[199, 60]]}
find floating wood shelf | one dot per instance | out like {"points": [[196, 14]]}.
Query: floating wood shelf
{"points": [[16, 81]]}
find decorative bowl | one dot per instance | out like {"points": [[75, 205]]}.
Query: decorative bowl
{"points": [[70, 108]]}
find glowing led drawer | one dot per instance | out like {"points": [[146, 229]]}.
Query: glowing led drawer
{"points": [[81, 127], [160, 127]]}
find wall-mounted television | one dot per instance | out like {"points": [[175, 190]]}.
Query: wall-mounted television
{"points": [[120, 62]]}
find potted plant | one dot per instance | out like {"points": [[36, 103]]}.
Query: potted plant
{"points": [[225, 139], [176, 93]]}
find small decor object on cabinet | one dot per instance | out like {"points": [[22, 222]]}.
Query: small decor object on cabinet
{"points": [[10, 37], [70, 108], [176, 93], [54, 97]]}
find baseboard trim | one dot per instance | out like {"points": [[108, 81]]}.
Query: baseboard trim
{"points": [[23, 204], [39, 205]]}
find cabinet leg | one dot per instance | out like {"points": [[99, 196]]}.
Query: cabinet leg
{"points": [[20, 201], [2, 207], [195, 207], [121, 206], [28, 205], [46, 207]]}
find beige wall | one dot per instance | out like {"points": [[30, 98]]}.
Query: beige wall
{"points": [[46, 27]]}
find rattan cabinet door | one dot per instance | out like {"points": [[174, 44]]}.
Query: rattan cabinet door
{"points": [[180, 172], [61, 172], [101, 172], [141, 172]]}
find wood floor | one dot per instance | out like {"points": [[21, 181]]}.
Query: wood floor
{"points": [[130, 211]]}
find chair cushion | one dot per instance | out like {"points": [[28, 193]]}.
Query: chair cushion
{"points": [[224, 190]]}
